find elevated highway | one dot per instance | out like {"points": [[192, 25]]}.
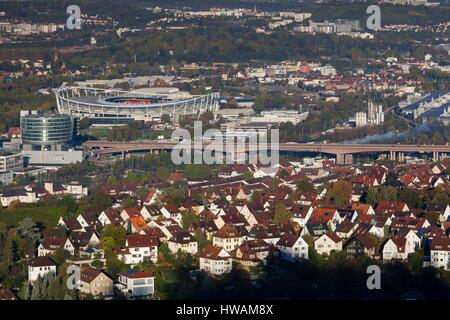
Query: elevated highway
{"points": [[343, 152]]}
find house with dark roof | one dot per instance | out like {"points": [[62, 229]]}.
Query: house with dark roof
{"points": [[253, 252], [301, 214], [346, 229], [110, 216], [215, 260], [327, 243], [70, 223], [21, 194], [268, 233], [171, 211], [184, 241], [396, 249], [228, 237], [440, 253], [83, 240], [138, 248], [51, 243], [150, 212], [360, 244], [292, 247], [39, 267], [95, 282]]}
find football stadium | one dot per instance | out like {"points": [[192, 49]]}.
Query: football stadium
{"points": [[111, 106]]}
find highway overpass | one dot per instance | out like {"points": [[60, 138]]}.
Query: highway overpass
{"points": [[343, 152]]}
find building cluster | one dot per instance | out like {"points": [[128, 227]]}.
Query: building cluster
{"points": [[373, 116], [442, 27], [340, 27], [432, 106], [35, 193], [243, 223], [24, 28]]}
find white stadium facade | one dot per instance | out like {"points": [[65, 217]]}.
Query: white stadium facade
{"points": [[111, 106]]}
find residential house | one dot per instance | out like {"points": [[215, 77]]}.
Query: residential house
{"points": [[269, 233], [110, 216], [253, 252], [301, 214], [396, 249], [128, 213], [292, 247], [440, 253], [184, 241], [138, 248], [51, 243], [346, 229], [40, 267], [215, 260], [361, 244], [135, 283], [150, 212], [95, 282], [327, 243], [170, 211], [228, 237]]}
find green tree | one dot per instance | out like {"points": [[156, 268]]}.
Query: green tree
{"points": [[165, 118], [107, 243], [188, 218], [340, 192], [97, 264], [162, 173], [60, 256], [114, 266], [117, 233], [282, 214], [304, 185], [28, 229], [112, 181], [415, 260]]}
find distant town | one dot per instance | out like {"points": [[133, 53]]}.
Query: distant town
{"points": [[94, 206]]}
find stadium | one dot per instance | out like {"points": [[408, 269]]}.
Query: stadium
{"points": [[111, 106]]}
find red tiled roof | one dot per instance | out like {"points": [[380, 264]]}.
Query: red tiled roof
{"points": [[137, 240]]}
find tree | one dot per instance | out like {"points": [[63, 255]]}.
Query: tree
{"points": [[114, 265], [85, 123], [391, 179], [304, 185], [282, 214], [162, 173], [28, 229], [107, 243], [100, 201], [38, 291], [165, 118], [97, 264], [188, 218], [117, 233], [60, 256], [25, 291], [415, 260], [411, 197], [340, 192], [381, 193], [112, 181], [128, 202]]}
